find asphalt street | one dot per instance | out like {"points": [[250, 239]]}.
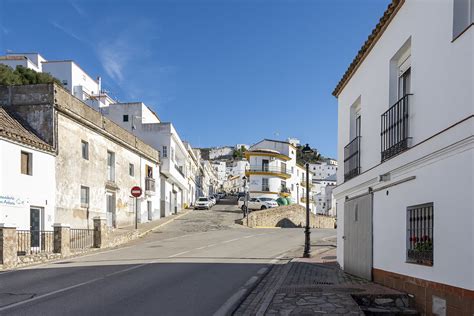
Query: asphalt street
{"points": [[193, 266]]}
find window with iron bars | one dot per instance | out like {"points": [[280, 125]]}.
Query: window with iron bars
{"points": [[420, 234]]}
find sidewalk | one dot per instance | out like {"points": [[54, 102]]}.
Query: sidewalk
{"points": [[317, 286], [144, 228]]}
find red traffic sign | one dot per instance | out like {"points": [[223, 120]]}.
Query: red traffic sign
{"points": [[136, 191]]}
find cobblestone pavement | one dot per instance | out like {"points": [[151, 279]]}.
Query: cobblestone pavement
{"points": [[309, 287]]}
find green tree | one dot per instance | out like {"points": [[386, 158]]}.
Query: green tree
{"points": [[22, 76], [312, 157], [239, 153]]}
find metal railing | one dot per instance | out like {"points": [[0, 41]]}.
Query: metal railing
{"points": [[81, 238], [269, 169], [420, 234], [394, 129], [352, 159], [265, 188], [34, 242], [150, 184]]}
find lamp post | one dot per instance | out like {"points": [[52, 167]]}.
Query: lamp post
{"points": [[307, 243], [298, 193]]}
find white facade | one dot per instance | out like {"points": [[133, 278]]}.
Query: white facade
{"points": [[322, 170], [220, 152], [142, 122], [221, 170], [26, 197], [273, 171], [440, 147]]}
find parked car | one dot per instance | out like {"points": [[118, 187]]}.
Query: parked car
{"points": [[240, 194], [203, 203], [213, 200], [216, 196], [260, 203]]}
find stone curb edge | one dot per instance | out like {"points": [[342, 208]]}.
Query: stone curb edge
{"points": [[246, 291]]}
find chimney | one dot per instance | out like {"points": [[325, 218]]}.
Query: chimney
{"points": [[99, 81]]}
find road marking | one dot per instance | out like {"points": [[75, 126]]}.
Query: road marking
{"points": [[227, 241], [329, 237], [249, 236], [178, 254], [36, 298]]}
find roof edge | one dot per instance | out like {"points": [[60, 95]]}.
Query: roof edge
{"points": [[373, 38]]}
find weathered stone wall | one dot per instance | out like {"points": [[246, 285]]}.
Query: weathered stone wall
{"points": [[288, 217]]}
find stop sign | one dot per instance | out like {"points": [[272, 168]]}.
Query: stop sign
{"points": [[136, 191]]}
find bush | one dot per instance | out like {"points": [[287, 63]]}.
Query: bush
{"points": [[23, 76]]}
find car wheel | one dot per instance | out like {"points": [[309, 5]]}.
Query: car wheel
{"points": [[243, 208], [263, 207]]}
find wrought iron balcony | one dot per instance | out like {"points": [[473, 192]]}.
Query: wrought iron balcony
{"points": [[394, 129], [352, 159], [149, 185]]}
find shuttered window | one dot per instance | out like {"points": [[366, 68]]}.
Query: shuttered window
{"points": [[26, 163]]}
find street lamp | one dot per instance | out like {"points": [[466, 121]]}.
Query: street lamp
{"points": [[307, 246]]}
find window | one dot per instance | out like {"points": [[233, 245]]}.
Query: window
{"points": [[110, 166], [125, 117], [265, 164], [131, 170], [265, 186], [64, 82], [149, 171], [172, 154], [85, 150], [84, 196], [26, 163], [420, 234], [463, 16], [165, 151]]}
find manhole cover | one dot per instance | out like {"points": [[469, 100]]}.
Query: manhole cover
{"points": [[324, 283]]}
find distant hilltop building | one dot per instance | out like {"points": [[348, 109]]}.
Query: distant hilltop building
{"points": [[221, 153]]}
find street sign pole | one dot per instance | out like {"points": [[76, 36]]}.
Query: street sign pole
{"points": [[136, 213], [136, 192]]}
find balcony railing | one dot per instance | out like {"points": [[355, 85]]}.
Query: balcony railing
{"points": [[352, 159], [265, 188], [394, 129], [150, 185], [268, 169]]}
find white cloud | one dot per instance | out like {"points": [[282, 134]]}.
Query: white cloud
{"points": [[78, 9]]}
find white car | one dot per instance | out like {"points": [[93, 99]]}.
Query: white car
{"points": [[260, 203], [203, 203], [213, 200]]}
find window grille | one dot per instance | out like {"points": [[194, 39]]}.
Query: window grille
{"points": [[420, 234]]}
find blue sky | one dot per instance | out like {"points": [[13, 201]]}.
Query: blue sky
{"points": [[224, 72]]}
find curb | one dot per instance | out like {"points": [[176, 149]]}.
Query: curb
{"points": [[241, 295]]}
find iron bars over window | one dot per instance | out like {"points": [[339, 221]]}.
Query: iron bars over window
{"points": [[394, 129], [420, 234], [352, 159]]}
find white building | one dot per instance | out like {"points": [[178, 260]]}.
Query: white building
{"points": [[193, 174], [27, 177], [323, 169], [221, 170], [96, 162], [273, 171], [406, 150], [221, 152], [145, 124], [235, 173], [210, 182], [72, 76]]}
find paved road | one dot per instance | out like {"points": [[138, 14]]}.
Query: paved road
{"points": [[193, 266]]}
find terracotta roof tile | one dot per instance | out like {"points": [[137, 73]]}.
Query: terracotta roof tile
{"points": [[385, 20], [12, 129]]}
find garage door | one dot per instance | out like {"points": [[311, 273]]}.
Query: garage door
{"points": [[358, 236]]}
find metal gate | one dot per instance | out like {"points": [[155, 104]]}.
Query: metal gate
{"points": [[358, 236]]}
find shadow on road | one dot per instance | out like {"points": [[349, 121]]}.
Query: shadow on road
{"points": [[123, 289]]}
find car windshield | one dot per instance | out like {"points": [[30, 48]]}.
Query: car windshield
{"points": [[266, 199], [203, 200]]}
